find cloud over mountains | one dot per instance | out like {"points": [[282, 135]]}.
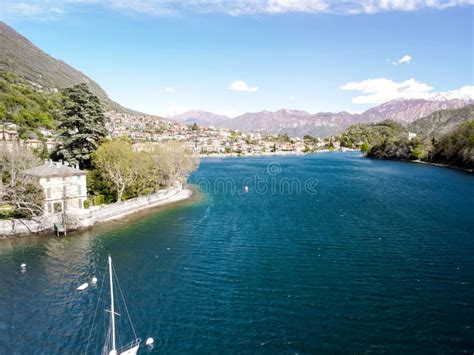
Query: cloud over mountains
{"points": [[379, 90]]}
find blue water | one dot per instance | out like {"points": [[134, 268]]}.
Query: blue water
{"points": [[325, 253]]}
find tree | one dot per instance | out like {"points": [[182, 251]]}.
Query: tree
{"points": [[174, 162], [82, 125], [129, 174], [21, 194], [364, 148], [194, 127], [114, 160]]}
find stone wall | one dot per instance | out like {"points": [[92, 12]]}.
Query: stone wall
{"points": [[29, 226], [121, 209], [87, 218]]}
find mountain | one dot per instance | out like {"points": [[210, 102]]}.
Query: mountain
{"points": [[323, 124], [201, 118], [19, 55], [406, 111], [293, 122], [441, 122]]}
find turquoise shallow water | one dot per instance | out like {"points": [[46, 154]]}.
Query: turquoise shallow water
{"points": [[326, 253]]}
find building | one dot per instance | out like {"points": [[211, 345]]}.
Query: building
{"points": [[64, 186]]}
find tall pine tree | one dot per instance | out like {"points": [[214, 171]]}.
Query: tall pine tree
{"points": [[82, 125]]}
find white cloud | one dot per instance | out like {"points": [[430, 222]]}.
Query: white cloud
{"points": [[406, 59], [169, 90], [25, 9], [380, 90], [240, 85], [464, 93], [233, 8], [292, 98]]}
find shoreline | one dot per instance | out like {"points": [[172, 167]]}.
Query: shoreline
{"points": [[442, 165], [115, 212], [439, 165], [268, 154]]}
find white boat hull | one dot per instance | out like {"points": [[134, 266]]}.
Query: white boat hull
{"points": [[131, 351], [83, 287]]}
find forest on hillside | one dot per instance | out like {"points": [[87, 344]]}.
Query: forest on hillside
{"points": [[443, 137]]}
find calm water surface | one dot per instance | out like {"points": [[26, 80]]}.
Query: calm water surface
{"points": [[379, 257]]}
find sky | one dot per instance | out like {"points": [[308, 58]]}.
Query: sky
{"points": [[229, 57]]}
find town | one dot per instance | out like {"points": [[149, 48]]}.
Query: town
{"points": [[145, 131]]}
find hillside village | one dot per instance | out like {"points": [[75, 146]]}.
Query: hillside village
{"points": [[144, 131]]}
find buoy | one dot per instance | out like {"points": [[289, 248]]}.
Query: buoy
{"points": [[246, 189], [83, 287], [23, 266], [149, 341], [94, 280]]}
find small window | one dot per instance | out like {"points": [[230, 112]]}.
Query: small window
{"points": [[48, 192], [64, 190], [57, 207], [50, 209], [79, 203], [79, 190]]}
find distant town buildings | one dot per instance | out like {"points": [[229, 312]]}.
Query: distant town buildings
{"points": [[145, 131]]}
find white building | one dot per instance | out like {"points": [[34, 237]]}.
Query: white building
{"points": [[64, 186]]}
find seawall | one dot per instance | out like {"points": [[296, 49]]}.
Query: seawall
{"points": [[89, 217]]}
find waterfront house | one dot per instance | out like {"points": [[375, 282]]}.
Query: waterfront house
{"points": [[64, 186]]}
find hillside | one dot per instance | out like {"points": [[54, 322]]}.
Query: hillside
{"points": [[456, 147], [20, 56], [407, 111], [445, 137], [201, 118], [441, 122], [26, 106], [370, 134]]}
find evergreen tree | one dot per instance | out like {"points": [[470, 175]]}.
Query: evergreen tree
{"points": [[82, 125]]}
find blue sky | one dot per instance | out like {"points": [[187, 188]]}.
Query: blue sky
{"points": [[231, 57]]}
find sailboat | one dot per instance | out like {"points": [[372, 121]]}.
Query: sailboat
{"points": [[110, 346]]}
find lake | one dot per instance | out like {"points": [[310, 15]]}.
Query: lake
{"points": [[325, 253]]}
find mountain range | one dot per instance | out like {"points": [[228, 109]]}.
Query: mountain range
{"points": [[323, 124]]}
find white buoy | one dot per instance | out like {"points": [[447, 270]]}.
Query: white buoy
{"points": [[94, 280], [23, 266], [149, 341], [83, 287], [246, 189]]}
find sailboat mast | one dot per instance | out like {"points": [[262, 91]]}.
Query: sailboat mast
{"points": [[112, 308]]}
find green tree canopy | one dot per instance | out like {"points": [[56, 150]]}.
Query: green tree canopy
{"points": [[82, 125]]}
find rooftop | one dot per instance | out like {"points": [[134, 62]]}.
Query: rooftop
{"points": [[54, 169]]}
